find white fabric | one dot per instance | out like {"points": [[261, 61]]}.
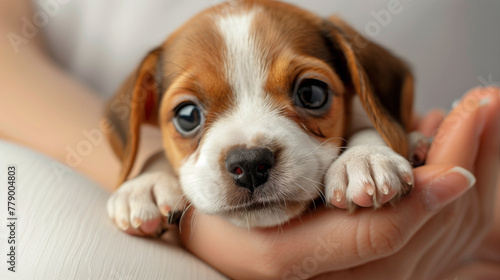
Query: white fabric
{"points": [[451, 45], [63, 231]]}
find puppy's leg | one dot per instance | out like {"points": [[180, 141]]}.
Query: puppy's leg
{"points": [[140, 204], [368, 173]]}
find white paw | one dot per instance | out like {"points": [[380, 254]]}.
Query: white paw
{"points": [[140, 203], [367, 176]]}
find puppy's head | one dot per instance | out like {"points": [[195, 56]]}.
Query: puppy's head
{"points": [[252, 101]]}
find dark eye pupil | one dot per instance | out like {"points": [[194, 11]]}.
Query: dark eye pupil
{"points": [[313, 94], [188, 117]]}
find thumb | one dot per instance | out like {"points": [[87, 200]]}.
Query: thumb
{"points": [[439, 184], [435, 187], [382, 233]]}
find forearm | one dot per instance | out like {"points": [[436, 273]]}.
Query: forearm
{"points": [[46, 109]]}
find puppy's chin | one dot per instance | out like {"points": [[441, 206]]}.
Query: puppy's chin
{"points": [[265, 215]]}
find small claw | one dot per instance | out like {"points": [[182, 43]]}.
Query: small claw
{"points": [[370, 190], [165, 210], [136, 222], [338, 196], [408, 179], [385, 189], [123, 225]]}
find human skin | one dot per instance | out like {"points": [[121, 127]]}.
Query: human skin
{"points": [[37, 116], [45, 108], [408, 241]]}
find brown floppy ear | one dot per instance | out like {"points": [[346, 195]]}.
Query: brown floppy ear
{"points": [[382, 82], [134, 104]]}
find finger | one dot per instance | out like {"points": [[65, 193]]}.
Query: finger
{"points": [[422, 239], [472, 226], [416, 118], [487, 162], [416, 260], [435, 187], [457, 140], [446, 238], [491, 245], [429, 124], [476, 270], [385, 232], [469, 137]]}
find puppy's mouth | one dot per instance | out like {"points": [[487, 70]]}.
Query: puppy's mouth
{"points": [[263, 214], [255, 206]]}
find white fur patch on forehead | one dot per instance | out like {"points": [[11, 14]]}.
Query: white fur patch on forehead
{"points": [[246, 70]]}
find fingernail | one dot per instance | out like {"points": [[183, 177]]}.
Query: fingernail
{"points": [[484, 102], [447, 187]]}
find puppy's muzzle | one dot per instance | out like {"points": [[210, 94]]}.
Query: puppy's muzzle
{"points": [[250, 167]]}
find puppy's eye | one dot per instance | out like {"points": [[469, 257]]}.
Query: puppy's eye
{"points": [[312, 94], [188, 118]]}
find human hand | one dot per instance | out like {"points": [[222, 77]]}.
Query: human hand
{"points": [[426, 234], [448, 239]]}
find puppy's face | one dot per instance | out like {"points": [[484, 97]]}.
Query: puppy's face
{"points": [[253, 114], [251, 98]]}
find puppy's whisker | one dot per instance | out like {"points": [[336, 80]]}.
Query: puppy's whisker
{"points": [[181, 202], [315, 185], [314, 181], [305, 190], [182, 217], [308, 156]]}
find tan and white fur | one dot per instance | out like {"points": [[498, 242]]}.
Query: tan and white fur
{"points": [[242, 64]]}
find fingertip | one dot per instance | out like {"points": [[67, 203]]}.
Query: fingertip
{"points": [[430, 123], [461, 130], [446, 187]]}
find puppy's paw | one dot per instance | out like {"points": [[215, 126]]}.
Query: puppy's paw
{"points": [[141, 205], [367, 176]]}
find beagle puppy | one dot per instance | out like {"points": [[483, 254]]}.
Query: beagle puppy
{"points": [[263, 108]]}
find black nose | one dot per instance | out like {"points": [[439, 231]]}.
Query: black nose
{"points": [[250, 167]]}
